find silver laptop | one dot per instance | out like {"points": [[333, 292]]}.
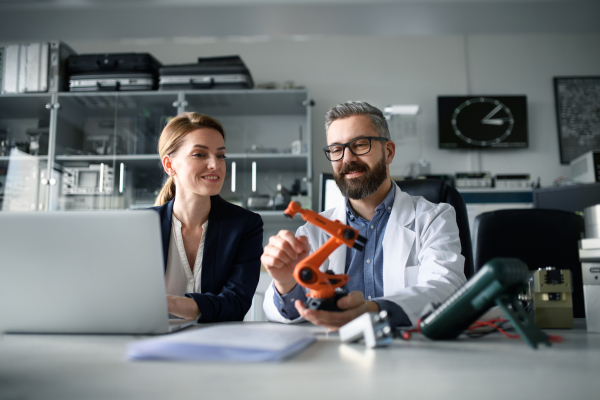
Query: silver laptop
{"points": [[95, 272]]}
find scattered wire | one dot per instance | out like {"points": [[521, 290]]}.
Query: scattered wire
{"points": [[555, 339], [496, 325]]}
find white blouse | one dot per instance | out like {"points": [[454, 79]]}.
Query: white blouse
{"points": [[179, 277]]}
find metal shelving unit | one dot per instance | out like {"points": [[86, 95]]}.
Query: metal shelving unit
{"points": [[114, 135]]}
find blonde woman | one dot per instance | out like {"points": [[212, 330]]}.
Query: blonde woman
{"points": [[211, 248]]}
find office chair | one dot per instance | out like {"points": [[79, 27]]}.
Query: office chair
{"points": [[436, 191], [540, 238]]}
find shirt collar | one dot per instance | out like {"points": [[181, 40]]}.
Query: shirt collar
{"points": [[385, 205]]}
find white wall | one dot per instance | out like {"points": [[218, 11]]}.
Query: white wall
{"points": [[410, 70], [527, 64]]}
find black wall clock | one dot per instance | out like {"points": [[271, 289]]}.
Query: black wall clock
{"points": [[479, 122]]}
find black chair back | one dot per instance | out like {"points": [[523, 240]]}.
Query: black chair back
{"points": [[539, 238], [436, 191]]}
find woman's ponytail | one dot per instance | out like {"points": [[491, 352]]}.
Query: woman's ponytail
{"points": [[167, 193]]}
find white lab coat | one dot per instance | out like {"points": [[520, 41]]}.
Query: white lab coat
{"points": [[421, 254]]}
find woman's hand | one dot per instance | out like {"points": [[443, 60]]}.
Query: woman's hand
{"points": [[183, 307]]}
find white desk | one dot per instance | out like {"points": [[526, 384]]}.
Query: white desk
{"points": [[493, 367]]}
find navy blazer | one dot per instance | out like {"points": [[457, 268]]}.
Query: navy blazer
{"points": [[231, 259]]}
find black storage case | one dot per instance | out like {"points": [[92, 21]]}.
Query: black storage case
{"points": [[228, 72], [117, 71]]}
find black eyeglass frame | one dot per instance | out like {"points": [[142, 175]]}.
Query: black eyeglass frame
{"points": [[347, 145]]}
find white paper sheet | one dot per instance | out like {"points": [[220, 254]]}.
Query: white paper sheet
{"points": [[231, 342]]}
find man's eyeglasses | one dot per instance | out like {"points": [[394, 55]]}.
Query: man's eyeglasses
{"points": [[359, 146]]}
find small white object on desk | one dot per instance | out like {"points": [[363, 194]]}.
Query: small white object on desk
{"points": [[373, 328], [229, 342]]}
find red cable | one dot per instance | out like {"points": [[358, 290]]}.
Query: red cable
{"points": [[491, 322], [418, 327], [555, 339], [479, 324]]}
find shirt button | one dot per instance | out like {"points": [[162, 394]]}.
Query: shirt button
{"points": [[369, 297], [368, 261], [292, 300], [389, 208], [191, 281], [372, 226]]}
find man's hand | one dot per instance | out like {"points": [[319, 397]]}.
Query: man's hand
{"points": [[354, 305], [280, 257], [182, 307]]}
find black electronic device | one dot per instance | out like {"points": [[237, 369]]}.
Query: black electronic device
{"points": [[447, 178], [482, 122], [498, 282], [572, 198]]}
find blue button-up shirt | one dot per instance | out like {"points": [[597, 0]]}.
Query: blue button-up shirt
{"points": [[364, 268]]}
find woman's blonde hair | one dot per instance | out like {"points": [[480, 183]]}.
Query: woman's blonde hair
{"points": [[172, 138]]}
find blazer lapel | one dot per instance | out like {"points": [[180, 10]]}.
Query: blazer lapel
{"points": [[166, 217], [211, 243]]}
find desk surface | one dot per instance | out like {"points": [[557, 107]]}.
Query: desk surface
{"points": [[492, 367]]}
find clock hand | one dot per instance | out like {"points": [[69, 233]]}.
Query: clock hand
{"points": [[488, 117], [496, 121]]}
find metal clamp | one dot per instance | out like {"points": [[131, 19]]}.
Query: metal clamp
{"points": [[374, 328]]}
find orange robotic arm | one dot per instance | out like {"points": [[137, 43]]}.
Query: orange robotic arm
{"points": [[323, 294]]}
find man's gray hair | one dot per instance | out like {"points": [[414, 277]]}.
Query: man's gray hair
{"points": [[350, 108]]}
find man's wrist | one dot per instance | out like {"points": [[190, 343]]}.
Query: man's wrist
{"points": [[373, 306], [285, 287]]}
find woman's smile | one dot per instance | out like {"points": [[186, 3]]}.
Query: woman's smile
{"points": [[211, 178]]}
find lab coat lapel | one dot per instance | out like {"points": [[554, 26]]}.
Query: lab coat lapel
{"points": [[337, 259], [397, 243]]}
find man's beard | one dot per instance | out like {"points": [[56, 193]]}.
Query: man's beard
{"points": [[364, 185]]}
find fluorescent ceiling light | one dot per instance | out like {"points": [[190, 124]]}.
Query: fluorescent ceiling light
{"points": [[410, 109]]}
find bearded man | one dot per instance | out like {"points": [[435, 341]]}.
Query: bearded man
{"points": [[412, 254]]}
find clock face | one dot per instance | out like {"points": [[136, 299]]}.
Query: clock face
{"points": [[482, 121]]}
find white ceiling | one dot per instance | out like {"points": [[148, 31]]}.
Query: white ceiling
{"points": [[103, 3], [101, 20]]}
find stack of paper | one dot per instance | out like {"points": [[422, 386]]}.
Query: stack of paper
{"points": [[230, 342]]}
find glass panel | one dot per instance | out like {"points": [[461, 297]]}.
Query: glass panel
{"points": [[138, 183], [277, 179], [85, 150], [86, 124], [24, 134], [140, 120], [267, 140], [138, 173], [107, 148]]}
